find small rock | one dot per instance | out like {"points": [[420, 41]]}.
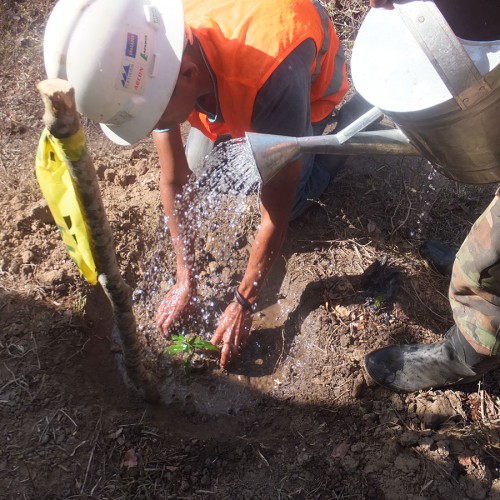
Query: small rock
{"points": [[41, 212], [27, 257], [226, 274], [212, 267], [442, 448], [370, 418], [358, 447], [358, 386], [345, 340], [141, 167], [109, 175], [151, 184], [426, 442], [25, 42], [409, 438], [126, 179], [435, 412], [101, 170], [138, 152], [406, 463], [14, 267], [350, 464], [495, 490], [52, 277]]}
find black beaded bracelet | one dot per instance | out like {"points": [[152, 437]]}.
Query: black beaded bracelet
{"points": [[248, 306]]}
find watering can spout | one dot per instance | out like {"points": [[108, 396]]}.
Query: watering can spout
{"points": [[272, 152]]}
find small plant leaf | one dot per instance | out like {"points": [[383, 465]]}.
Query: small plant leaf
{"points": [[175, 349], [179, 339], [188, 345], [204, 344]]}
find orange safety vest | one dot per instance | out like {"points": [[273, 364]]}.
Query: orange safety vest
{"points": [[244, 42]]}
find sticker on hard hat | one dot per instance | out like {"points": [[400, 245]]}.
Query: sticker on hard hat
{"points": [[132, 73], [132, 78], [153, 17], [131, 49]]}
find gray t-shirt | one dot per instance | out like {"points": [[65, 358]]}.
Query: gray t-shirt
{"points": [[282, 105]]}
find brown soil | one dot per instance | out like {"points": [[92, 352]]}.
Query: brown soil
{"points": [[297, 417]]}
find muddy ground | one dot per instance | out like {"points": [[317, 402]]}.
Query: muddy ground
{"points": [[297, 417]]}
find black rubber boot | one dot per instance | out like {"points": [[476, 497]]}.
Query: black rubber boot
{"points": [[410, 368], [439, 256]]}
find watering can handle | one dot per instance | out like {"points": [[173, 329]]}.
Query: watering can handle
{"points": [[444, 50]]}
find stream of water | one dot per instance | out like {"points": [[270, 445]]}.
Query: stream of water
{"points": [[215, 209], [431, 188], [212, 209]]}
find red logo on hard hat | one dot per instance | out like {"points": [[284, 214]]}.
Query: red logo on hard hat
{"points": [[139, 78]]}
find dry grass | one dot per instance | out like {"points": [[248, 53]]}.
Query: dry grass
{"points": [[20, 109], [347, 16]]}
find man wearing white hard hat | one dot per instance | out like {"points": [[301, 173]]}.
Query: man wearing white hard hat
{"points": [[471, 347], [228, 67]]}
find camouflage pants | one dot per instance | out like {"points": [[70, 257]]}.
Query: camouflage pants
{"points": [[475, 283]]}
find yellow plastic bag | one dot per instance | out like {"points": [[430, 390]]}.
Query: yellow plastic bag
{"points": [[58, 190]]}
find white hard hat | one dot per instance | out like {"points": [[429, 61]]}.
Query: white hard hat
{"points": [[122, 58]]}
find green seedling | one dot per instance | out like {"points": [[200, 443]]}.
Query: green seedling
{"points": [[188, 345]]}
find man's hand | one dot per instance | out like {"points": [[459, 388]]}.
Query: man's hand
{"points": [[233, 330], [277, 198], [177, 305], [381, 3]]}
